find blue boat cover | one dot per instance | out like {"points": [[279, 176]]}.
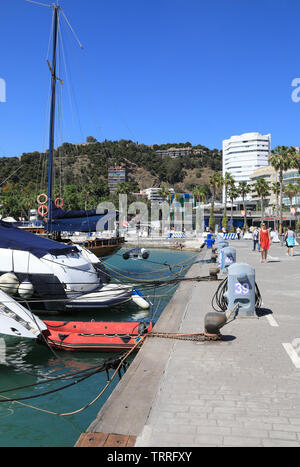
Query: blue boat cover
{"points": [[78, 221], [59, 213], [18, 239]]}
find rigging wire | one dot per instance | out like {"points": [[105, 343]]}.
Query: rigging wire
{"points": [[117, 371], [38, 3]]}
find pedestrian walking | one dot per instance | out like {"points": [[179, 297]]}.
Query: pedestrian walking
{"points": [[255, 235], [264, 239], [238, 231], [290, 241]]}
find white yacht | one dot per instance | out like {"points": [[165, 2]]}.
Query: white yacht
{"points": [[54, 276]]}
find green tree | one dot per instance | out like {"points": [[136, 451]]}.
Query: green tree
{"points": [[228, 181], [215, 182], [244, 189], [262, 189], [276, 190], [233, 193], [200, 192], [164, 191], [282, 158], [291, 189], [91, 139]]}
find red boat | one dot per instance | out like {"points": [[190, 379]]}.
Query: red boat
{"points": [[95, 336]]}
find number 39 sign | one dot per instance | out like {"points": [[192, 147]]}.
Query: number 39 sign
{"points": [[241, 289]]}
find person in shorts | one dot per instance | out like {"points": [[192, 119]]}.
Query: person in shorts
{"points": [[290, 241]]}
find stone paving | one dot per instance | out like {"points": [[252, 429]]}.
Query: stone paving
{"points": [[244, 391]]}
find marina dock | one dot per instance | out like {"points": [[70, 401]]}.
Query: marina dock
{"points": [[240, 391]]}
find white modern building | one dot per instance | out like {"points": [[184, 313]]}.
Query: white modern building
{"points": [[243, 154], [153, 194]]}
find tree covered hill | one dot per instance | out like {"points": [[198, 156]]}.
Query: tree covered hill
{"points": [[81, 171]]}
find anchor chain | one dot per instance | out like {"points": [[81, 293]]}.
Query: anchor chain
{"points": [[188, 337]]}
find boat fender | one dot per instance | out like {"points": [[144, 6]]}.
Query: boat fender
{"points": [[26, 289], [9, 283], [138, 299], [145, 254], [137, 292]]}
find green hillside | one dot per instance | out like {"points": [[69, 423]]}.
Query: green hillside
{"points": [[81, 172]]}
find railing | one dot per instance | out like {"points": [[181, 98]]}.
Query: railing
{"points": [[252, 214]]}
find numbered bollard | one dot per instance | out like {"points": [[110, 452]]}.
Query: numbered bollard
{"points": [[241, 289], [227, 257]]}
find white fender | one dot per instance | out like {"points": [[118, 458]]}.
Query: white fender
{"points": [[140, 301]]}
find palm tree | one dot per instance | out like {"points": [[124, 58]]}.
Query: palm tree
{"points": [[262, 189], [164, 192], [291, 189], [276, 190], [282, 158], [233, 193], [228, 181], [215, 181], [200, 192], [244, 189]]}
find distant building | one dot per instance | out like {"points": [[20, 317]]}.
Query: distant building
{"points": [[291, 176], [245, 153], [116, 175], [175, 152], [153, 194], [269, 174]]}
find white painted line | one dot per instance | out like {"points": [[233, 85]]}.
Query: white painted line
{"points": [[292, 354], [272, 258], [272, 321]]}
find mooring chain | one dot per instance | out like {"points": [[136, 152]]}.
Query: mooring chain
{"points": [[186, 337]]}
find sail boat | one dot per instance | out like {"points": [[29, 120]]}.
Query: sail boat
{"points": [[59, 220], [49, 274]]}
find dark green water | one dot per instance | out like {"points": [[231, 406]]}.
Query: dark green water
{"points": [[28, 363]]}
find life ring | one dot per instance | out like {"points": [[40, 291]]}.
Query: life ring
{"points": [[59, 202], [43, 210], [39, 199]]}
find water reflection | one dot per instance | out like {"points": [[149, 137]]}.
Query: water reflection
{"points": [[30, 369]]}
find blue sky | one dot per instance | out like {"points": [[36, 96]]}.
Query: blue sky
{"points": [[153, 71]]}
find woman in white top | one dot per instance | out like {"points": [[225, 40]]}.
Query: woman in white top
{"points": [[290, 241]]}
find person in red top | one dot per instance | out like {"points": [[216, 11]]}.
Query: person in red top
{"points": [[264, 241]]}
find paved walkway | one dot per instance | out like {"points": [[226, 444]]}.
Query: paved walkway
{"points": [[240, 392]]}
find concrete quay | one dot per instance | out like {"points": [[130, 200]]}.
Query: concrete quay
{"points": [[242, 391]]}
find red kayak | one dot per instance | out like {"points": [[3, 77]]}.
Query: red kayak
{"points": [[95, 337]]}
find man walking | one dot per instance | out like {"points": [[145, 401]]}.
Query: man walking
{"points": [[255, 235]]}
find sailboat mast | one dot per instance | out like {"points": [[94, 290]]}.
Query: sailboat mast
{"points": [[52, 112]]}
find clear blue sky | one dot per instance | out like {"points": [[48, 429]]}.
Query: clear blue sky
{"points": [[153, 71]]}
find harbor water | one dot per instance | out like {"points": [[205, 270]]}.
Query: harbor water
{"points": [[34, 370]]}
